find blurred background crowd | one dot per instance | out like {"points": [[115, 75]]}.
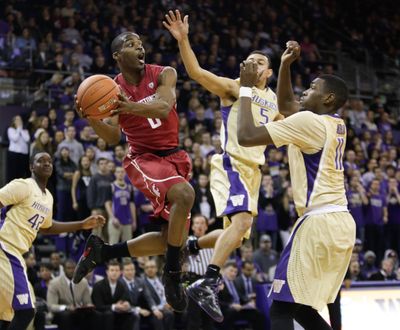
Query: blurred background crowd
{"points": [[48, 47]]}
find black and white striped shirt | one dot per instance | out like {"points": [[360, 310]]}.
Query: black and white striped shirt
{"points": [[198, 263]]}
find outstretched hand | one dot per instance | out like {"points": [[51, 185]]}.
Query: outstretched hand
{"points": [[93, 222], [248, 74], [292, 52], [174, 24]]}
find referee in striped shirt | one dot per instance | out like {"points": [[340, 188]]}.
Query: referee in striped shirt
{"points": [[198, 262]]}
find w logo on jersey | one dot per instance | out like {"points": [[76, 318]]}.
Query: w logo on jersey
{"points": [[151, 85], [23, 298], [237, 200], [277, 285]]}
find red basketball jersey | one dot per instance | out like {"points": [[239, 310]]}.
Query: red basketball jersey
{"points": [[147, 134]]}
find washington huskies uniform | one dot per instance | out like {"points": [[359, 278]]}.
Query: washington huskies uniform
{"points": [[314, 262], [235, 174], [27, 210]]}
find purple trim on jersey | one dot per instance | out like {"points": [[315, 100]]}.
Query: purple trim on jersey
{"points": [[312, 164], [341, 141], [281, 271], [21, 287], [236, 189], [225, 114], [3, 214]]}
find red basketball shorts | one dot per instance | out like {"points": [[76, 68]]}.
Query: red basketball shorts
{"points": [[154, 176]]}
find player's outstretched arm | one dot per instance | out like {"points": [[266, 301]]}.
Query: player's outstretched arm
{"points": [[92, 222], [160, 106], [225, 88], [287, 103], [248, 134]]}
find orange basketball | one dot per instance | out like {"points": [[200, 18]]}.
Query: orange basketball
{"points": [[97, 96]]}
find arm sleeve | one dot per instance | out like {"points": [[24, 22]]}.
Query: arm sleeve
{"points": [[303, 129], [14, 192]]}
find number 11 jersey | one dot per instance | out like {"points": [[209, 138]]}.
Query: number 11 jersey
{"points": [[147, 134], [27, 209]]}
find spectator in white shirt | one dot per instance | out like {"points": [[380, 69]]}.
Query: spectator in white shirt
{"points": [[18, 150]]}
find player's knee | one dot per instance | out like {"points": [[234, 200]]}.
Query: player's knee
{"points": [[243, 225], [185, 195]]}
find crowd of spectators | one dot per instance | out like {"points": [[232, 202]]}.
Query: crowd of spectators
{"points": [[73, 38]]}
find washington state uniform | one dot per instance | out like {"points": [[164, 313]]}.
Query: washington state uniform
{"points": [[27, 209], [314, 262], [154, 162]]}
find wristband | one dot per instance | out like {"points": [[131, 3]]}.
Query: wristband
{"points": [[245, 92]]}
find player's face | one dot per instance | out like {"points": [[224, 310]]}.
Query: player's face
{"points": [[263, 69], [132, 53], [42, 165], [312, 97]]}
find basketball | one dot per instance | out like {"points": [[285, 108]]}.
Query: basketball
{"points": [[97, 96]]}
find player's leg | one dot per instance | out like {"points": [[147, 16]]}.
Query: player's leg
{"points": [[310, 319], [282, 315], [205, 291], [181, 198], [22, 319], [15, 292], [204, 242], [231, 238]]}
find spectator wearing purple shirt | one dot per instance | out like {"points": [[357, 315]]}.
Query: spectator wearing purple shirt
{"points": [[377, 217], [393, 225], [145, 210], [357, 198], [120, 209]]}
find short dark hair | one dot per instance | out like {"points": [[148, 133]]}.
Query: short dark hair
{"points": [[113, 262], [246, 262], [119, 40], [335, 85], [46, 265], [230, 263], [260, 52], [127, 262]]}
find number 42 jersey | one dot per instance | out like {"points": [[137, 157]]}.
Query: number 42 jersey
{"points": [[27, 209], [147, 134]]}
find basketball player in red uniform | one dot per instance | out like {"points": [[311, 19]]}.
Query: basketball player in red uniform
{"points": [[155, 165]]}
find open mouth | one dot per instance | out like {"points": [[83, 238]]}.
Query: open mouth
{"points": [[141, 58]]}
